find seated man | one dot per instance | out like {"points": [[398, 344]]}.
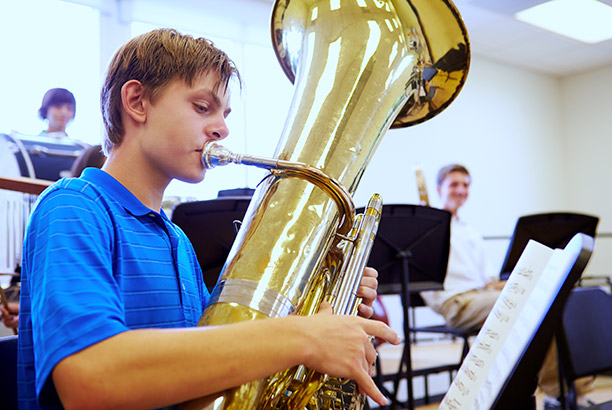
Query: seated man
{"points": [[470, 288]]}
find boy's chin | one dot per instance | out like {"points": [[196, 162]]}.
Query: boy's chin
{"points": [[192, 179]]}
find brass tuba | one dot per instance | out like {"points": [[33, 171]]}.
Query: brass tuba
{"points": [[359, 67]]}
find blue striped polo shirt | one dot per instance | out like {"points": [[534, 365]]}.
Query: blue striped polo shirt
{"points": [[97, 262]]}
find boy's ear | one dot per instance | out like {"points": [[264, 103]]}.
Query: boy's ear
{"points": [[132, 100]]}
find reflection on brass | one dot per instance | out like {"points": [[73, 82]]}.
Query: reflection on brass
{"points": [[359, 67]]}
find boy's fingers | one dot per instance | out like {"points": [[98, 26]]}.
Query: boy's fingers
{"points": [[366, 311], [380, 330], [370, 272], [367, 386], [326, 308]]}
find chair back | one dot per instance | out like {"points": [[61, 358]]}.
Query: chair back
{"points": [[8, 372], [587, 332], [209, 225]]}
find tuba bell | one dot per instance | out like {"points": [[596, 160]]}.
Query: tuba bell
{"points": [[359, 67]]}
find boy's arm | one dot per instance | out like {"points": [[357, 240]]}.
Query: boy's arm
{"points": [[154, 368]]}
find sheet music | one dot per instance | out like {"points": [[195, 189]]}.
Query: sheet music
{"points": [[517, 314]]}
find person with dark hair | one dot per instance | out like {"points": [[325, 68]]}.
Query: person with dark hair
{"points": [[111, 289], [470, 287], [58, 108]]}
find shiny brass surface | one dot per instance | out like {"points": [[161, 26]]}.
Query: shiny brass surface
{"points": [[359, 67], [432, 27], [214, 155]]}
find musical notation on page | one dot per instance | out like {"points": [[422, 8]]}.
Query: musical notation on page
{"points": [[516, 316]]}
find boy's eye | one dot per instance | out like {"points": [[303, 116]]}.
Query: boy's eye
{"points": [[200, 108]]}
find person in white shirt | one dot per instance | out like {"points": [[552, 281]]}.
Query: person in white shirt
{"points": [[471, 288]]}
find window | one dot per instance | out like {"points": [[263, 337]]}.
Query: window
{"points": [[48, 44], [56, 43]]}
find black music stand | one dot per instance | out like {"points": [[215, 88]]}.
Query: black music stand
{"points": [[554, 230], [410, 253], [209, 225]]}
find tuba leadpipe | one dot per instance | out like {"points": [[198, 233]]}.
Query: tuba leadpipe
{"points": [[359, 67], [214, 155]]}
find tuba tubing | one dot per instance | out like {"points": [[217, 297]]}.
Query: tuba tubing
{"points": [[296, 387], [359, 68]]}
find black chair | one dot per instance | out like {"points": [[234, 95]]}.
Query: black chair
{"points": [[585, 341], [211, 228], [553, 229], [445, 329], [8, 374], [448, 331]]}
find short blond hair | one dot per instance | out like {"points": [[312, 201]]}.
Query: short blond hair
{"points": [[445, 170], [155, 59]]}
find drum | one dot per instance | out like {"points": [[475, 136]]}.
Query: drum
{"points": [[38, 156], [34, 157]]}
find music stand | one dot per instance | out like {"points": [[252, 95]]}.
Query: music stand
{"points": [[410, 253], [209, 225], [518, 390], [554, 230]]}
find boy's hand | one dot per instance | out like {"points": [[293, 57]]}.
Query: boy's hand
{"points": [[341, 346]]}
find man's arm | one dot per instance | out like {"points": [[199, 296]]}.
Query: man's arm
{"points": [[154, 368]]}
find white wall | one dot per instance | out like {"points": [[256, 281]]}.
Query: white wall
{"points": [[587, 118], [533, 143], [505, 127]]}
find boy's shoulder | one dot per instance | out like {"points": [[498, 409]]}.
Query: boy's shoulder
{"points": [[69, 194], [95, 190], [75, 187]]}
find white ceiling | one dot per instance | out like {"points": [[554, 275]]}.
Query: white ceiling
{"points": [[495, 35]]}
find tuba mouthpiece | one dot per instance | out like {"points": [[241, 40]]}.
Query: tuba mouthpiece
{"points": [[217, 155]]}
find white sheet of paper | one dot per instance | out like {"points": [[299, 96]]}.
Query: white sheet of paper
{"points": [[517, 314]]}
